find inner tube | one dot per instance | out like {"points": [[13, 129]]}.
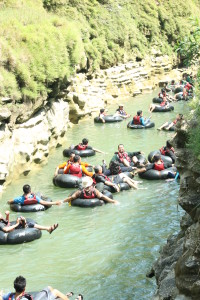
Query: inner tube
{"points": [[133, 126], [163, 108], [67, 181], [181, 97], [91, 202], [19, 236], [83, 153], [31, 207], [178, 89], [157, 100], [157, 175], [123, 187], [87, 202], [108, 119], [165, 159]]}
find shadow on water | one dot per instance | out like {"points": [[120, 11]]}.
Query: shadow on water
{"points": [[105, 252]]}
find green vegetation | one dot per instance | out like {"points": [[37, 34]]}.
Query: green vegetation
{"points": [[42, 43], [189, 50]]}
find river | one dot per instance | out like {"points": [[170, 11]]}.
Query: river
{"points": [[105, 252]]}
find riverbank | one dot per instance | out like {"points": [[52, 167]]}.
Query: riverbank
{"points": [[177, 269], [29, 131]]}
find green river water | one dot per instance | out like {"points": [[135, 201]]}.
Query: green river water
{"points": [[105, 252]]}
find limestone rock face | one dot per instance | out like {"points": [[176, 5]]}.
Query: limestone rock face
{"points": [[180, 258], [5, 114], [30, 142]]}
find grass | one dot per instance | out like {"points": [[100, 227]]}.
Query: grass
{"points": [[43, 42]]}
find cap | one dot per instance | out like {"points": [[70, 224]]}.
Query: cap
{"points": [[86, 182]]}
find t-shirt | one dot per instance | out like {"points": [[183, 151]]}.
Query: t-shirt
{"points": [[121, 112], [6, 297], [20, 199]]}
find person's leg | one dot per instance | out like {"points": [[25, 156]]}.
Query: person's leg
{"points": [[7, 213], [58, 294], [126, 163], [50, 229], [162, 126], [130, 183], [169, 125], [135, 160], [152, 107]]}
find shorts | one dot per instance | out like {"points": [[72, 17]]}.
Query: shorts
{"points": [[117, 179], [45, 294]]}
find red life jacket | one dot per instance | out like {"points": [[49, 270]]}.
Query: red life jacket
{"points": [[163, 103], [75, 170], [91, 194], [188, 86], [165, 150], [104, 176], [161, 95], [30, 200], [159, 167], [136, 120], [123, 155], [81, 147]]}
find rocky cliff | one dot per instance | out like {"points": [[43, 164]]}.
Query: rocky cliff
{"points": [[29, 130], [177, 270]]}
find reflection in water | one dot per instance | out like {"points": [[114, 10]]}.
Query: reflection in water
{"points": [[103, 253]]}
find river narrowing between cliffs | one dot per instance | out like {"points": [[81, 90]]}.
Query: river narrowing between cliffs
{"points": [[105, 252]]}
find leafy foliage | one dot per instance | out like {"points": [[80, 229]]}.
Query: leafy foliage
{"points": [[189, 47], [43, 42]]}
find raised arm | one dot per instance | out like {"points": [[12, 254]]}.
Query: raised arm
{"points": [[7, 229]]}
